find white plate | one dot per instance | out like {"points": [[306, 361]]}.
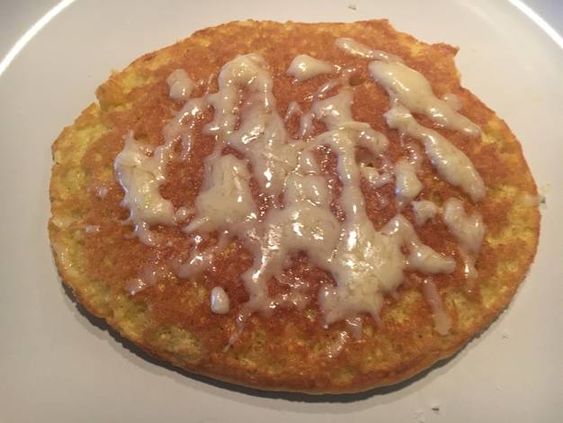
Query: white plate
{"points": [[55, 366]]}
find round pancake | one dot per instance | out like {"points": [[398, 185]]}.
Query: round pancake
{"points": [[290, 349]]}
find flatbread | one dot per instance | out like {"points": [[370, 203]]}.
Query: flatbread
{"points": [[294, 346]]}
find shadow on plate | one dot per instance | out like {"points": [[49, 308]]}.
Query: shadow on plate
{"points": [[288, 396]]}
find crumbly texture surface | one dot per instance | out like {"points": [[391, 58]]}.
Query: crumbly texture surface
{"points": [[97, 255]]}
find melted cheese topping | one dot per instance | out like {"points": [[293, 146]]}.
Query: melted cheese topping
{"points": [[305, 67], [365, 263]]}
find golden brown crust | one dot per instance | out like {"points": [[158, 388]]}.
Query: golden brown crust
{"points": [[286, 351]]}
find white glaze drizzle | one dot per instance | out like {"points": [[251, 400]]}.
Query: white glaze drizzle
{"points": [[365, 263], [358, 49], [423, 211], [469, 231], [305, 67], [451, 163], [225, 198], [453, 101], [201, 260], [147, 277], [421, 257], [442, 320], [407, 184], [375, 178], [293, 108], [180, 85], [414, 92], [219, 300], [140, 177]]}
